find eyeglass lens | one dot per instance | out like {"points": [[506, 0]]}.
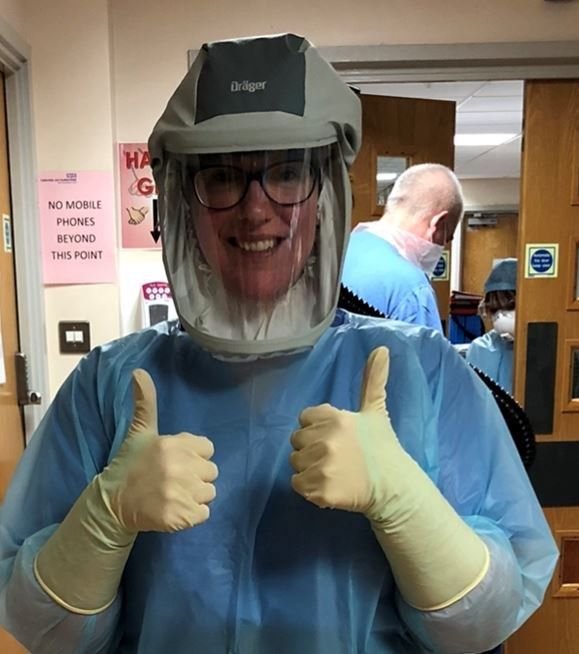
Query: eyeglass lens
{"points": [[286, 183]]}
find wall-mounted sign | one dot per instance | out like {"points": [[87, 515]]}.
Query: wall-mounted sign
{"points": [[441, 272], [541, 260], [77, 227], [7, 231], [140, 228]]}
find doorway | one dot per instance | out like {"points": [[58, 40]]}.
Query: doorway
{"points": [[489, 63]]}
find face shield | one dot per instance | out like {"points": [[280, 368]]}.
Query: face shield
{"points": [[251, 161], [253, 244]]}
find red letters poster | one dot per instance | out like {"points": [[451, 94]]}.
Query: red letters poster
{"points": [[77, 227], [138, 198]]}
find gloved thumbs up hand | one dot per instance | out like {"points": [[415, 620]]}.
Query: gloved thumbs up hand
{"points": [[158, 483], [344, 459], [154, 483], [354, 461]]}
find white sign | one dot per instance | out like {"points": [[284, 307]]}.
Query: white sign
{"points": [[541, 260], [7, 231]]}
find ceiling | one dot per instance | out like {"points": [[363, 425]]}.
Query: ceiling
{"points": [[481, 107]]}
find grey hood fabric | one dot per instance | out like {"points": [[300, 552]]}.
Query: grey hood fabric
{"points": [[250, 95], [269, 92]]}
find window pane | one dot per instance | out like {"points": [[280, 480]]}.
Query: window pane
{"points": [[387, 170]]}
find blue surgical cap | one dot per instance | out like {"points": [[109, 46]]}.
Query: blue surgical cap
{"points": [[503, 276]]}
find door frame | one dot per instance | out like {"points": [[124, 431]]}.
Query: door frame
{"points": [[455, 62], [15, 64]]}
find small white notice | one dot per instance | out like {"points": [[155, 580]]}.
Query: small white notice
{"points": [[7, 231]]}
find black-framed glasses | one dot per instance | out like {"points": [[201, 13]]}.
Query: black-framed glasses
{"points": [[285, 183]]}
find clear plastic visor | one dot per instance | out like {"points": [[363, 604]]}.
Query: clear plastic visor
{"points": [[250, 240]]}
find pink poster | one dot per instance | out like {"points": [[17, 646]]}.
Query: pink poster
{"points": [[77, 227], [138, 198]]}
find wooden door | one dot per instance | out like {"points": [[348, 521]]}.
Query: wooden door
{"points": [[11, 420], [483, 245], [413, 131], [547, 343]]}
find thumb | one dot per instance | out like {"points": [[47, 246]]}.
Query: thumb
{"points": [[145, 410], [373, 396]]}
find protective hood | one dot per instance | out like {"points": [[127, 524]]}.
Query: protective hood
{"points": [[242, 116]]}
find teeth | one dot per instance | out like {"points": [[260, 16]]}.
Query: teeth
{"points": [[257, 246]]}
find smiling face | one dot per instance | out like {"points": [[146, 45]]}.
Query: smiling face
{"points": [[259, 246]]}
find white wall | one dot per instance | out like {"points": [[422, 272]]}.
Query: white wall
{"points": [[490, 192], [73, 115], [151, 38], [103, 71]]}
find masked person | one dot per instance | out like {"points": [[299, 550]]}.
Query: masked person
{"points": [[493, 352], [178, 495], [389, 261]]}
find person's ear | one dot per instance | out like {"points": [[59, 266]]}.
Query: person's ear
{"points": [[438, 229]]}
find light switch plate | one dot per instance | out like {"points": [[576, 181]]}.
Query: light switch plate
{"points": [[74, 337]]}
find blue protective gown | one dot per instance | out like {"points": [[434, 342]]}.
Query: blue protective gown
{"points": [[271, 572], [380, 275], [494, 356]]}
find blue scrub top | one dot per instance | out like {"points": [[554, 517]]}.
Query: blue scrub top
{"points": [[380, 275], [494, 356], [269, 571]]}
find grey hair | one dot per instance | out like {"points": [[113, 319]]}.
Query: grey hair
{"points": [[428, 189]]}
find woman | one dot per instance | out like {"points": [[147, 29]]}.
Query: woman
{"points": [[172, 499], [493, 352]]}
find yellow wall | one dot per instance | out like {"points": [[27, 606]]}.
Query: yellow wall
{"points": [[102, 72]]}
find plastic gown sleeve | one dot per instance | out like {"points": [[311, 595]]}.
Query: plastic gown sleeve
{"points": [[73, 436], [482, 477]]}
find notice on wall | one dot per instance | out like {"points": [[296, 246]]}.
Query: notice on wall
{"points": [[441, 272], [77, 226], [139, 220], [7, 231], [541, 260]]}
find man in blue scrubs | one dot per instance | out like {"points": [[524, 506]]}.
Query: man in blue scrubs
{"points": [[389, 261]]}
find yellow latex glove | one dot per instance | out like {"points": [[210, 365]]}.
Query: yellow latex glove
{"points": [[354, 461], [153, 484]]}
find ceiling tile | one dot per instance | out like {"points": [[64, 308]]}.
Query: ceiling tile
{"points": [[498, 103], [513, 88], [486, 121]]}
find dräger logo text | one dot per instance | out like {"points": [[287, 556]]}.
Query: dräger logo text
{"points": [[247, 86]]}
